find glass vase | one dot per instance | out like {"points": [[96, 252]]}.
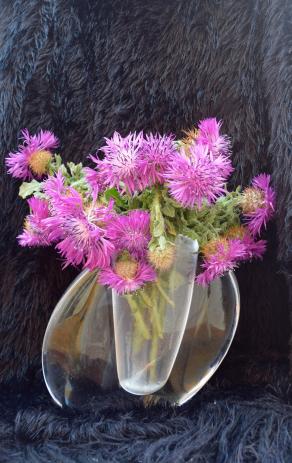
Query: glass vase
{"points": [[78, 354], [149, 324]]}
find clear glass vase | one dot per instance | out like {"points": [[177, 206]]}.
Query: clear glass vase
{"points": [[149, 324], [78, 354]]}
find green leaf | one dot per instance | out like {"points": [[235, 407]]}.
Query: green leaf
{"points": [[113, 193], [170, 228], [168, 210], [29, 188], [40, 195], [75, 169], [79, 185], [64, 170]]}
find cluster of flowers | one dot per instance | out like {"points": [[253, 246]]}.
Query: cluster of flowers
{"points": [[122, 216]]}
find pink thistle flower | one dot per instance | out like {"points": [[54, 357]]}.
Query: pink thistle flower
{"points": [[131, 231], [209, 135], [196, 177], [54, 186], [36, 232], [93, 179], [258, 203], [81, 231], [127, 275], [120, 167], [225, 257], [33, 157], [253, 249], [60, 195], [156, 153]]}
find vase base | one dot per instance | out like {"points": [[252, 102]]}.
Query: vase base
{"points": [[139, 388]]}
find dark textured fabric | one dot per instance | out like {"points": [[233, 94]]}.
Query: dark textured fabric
{"points": [[242, 423], [84, 69]]}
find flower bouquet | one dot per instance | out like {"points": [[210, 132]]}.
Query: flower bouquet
{"points": [[152, 213]]}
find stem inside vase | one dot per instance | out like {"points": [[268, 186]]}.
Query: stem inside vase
{"points": [[149, 324]]}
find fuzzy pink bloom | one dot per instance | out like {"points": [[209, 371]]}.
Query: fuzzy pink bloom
{"points": [[121, 162], [19, 162], [121, 285], [36, 232], [61, 197], [253, 249], [209, 135], [156, 153], [195, 177], [131, 231], [258, 219], [54, 186], [224, 259], [81, 232]]}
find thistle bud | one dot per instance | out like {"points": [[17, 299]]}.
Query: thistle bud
{"points": [[162, 259], [251, 200], [126, 267]]}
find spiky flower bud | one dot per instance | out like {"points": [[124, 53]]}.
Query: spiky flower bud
{"points": [[252, 199], [162, 259]]}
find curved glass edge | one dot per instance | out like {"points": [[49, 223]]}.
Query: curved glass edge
{"points": [[204, 380], [54, 315]]}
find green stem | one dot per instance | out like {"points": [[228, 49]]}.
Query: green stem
{"points": [[137, 339], [138, 317], [152, 306], [163, 293]]}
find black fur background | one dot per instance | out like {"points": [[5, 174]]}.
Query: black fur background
{"points": [[84, 69]]}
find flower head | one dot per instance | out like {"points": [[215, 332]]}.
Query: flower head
{"points": [[253, 249], [162, 259], [54, 186], [127, 275], [258, 203], [33, 157], [223, 255], [195, 177], [209, 135], [120, 166], [36, 232], [131, 231], [80, 230], [155, 154], [62, 198]]}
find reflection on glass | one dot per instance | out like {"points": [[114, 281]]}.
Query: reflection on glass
{"points": [[78, 348], [209, 332]]}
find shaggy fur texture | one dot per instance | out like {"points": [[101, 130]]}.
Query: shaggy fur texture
{"points": [[83, 69]]}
